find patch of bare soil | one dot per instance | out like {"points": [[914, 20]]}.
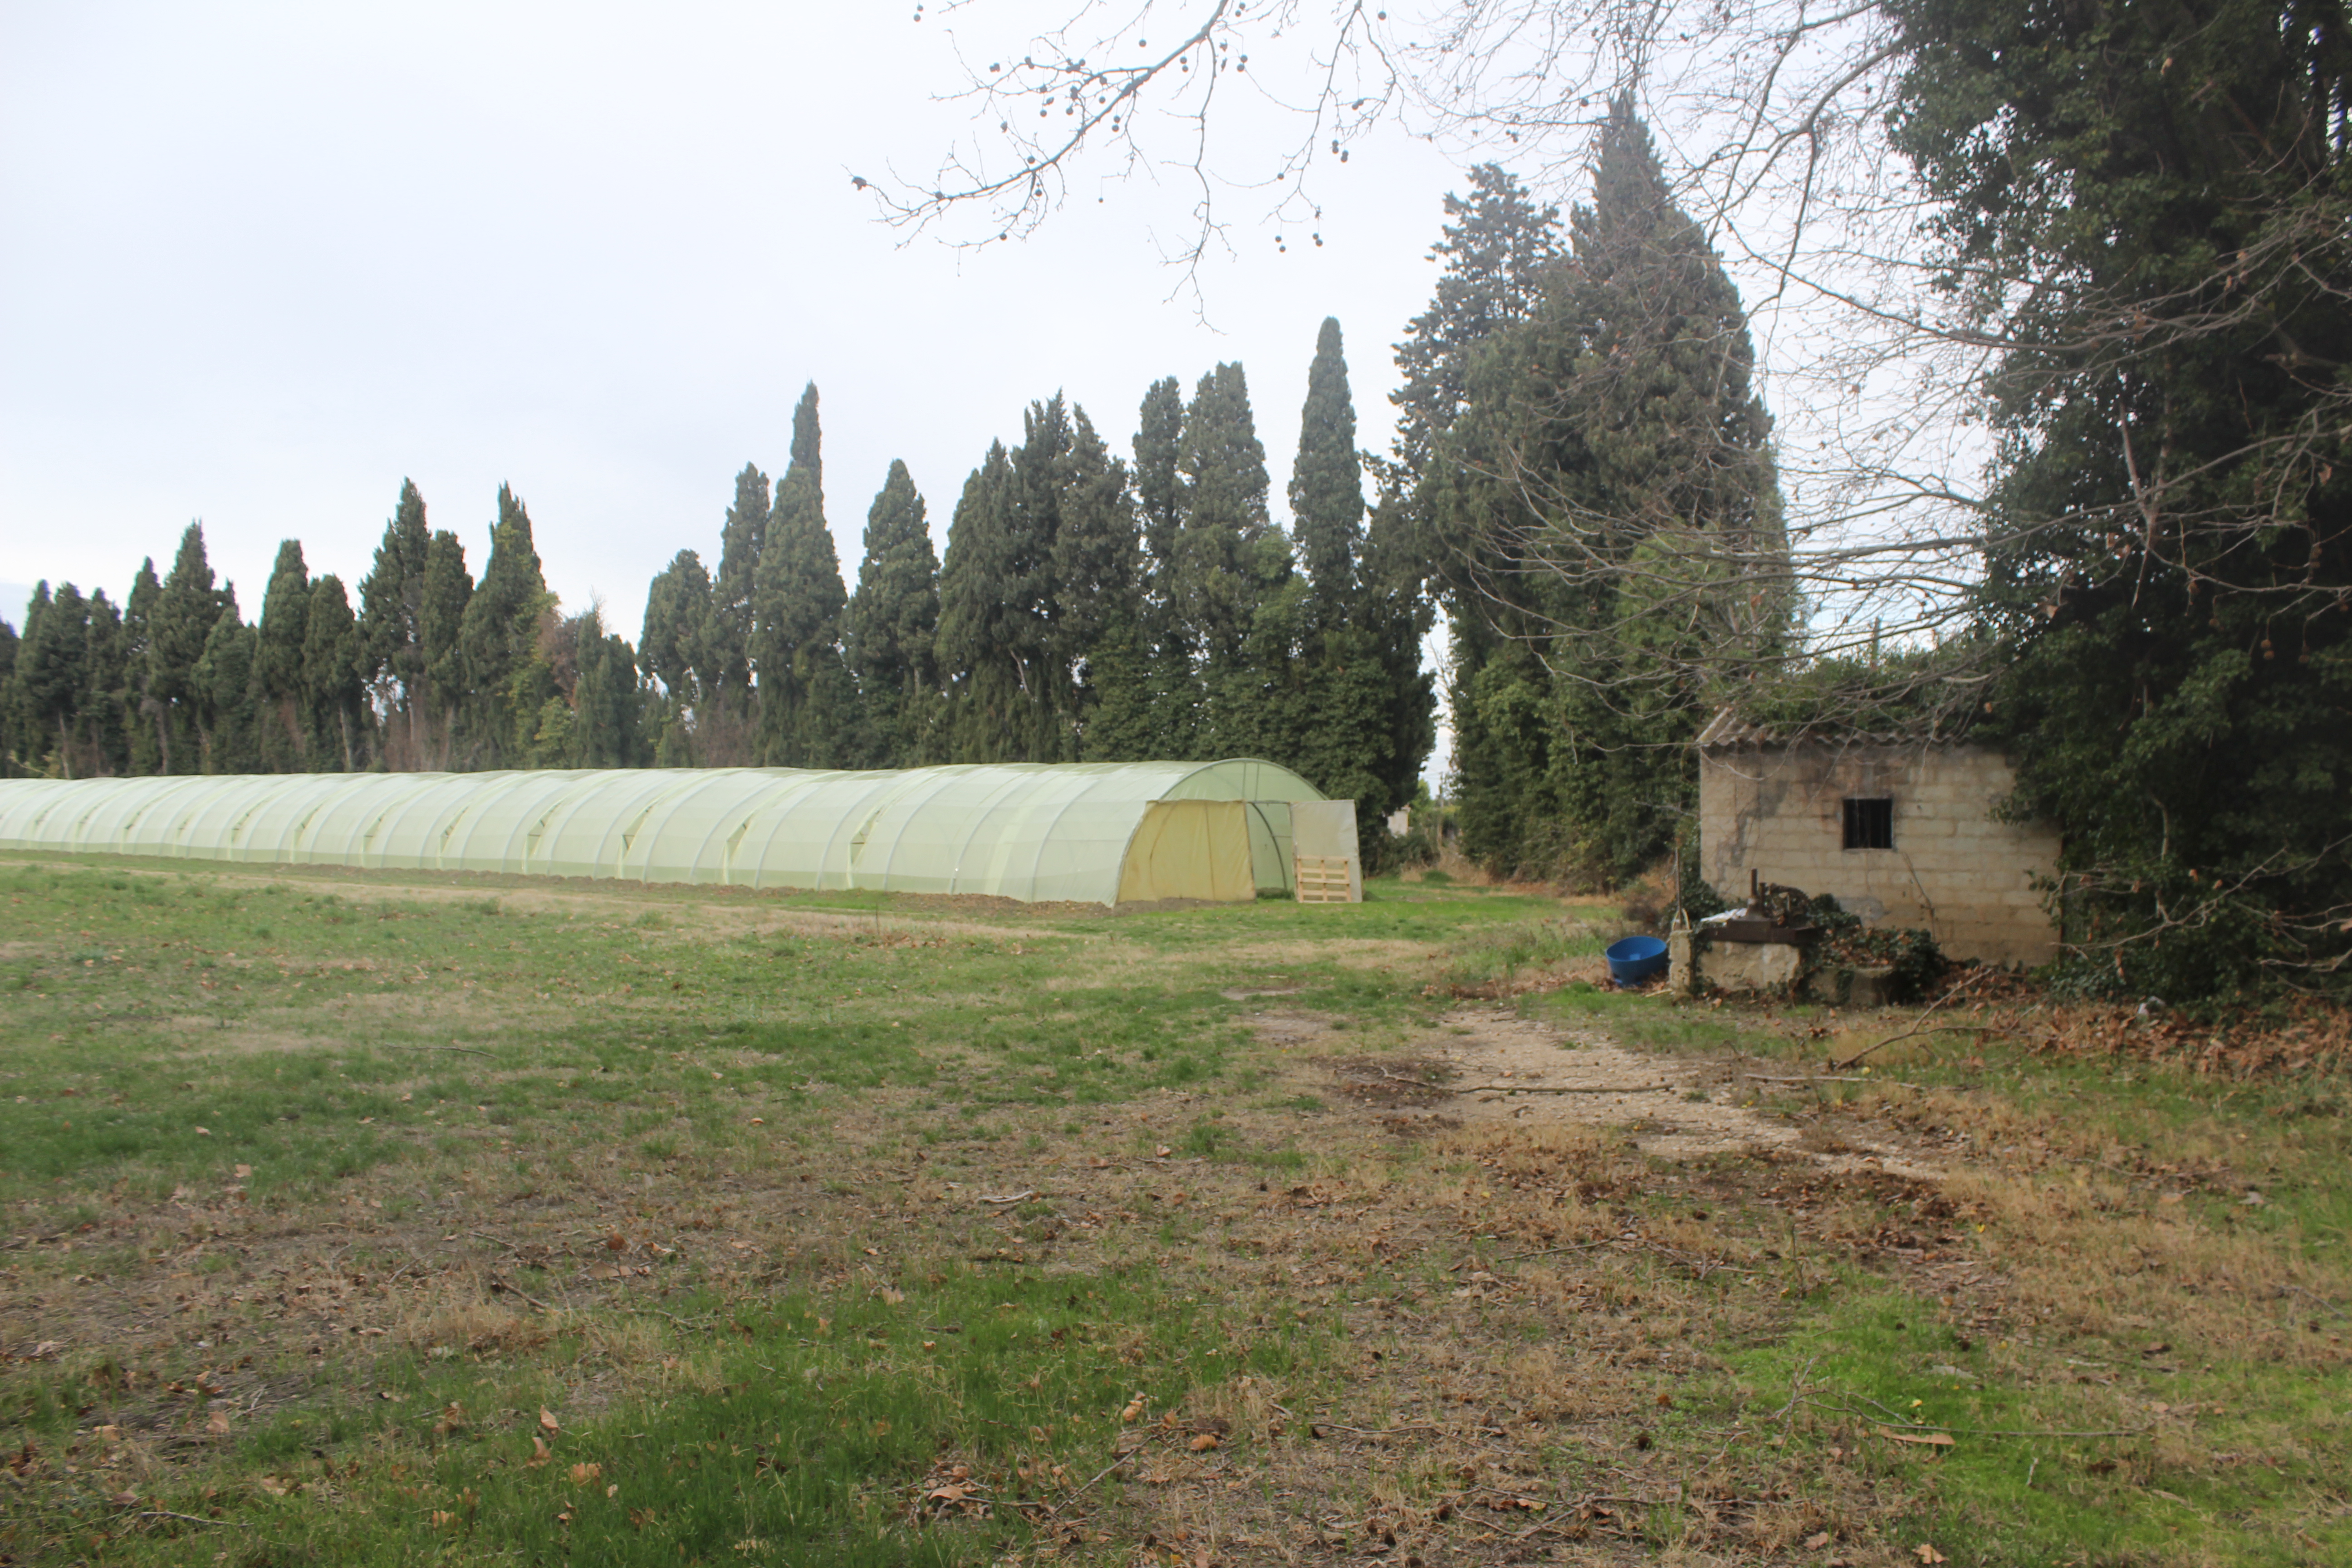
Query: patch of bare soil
{"points": [[1497, 1067]]}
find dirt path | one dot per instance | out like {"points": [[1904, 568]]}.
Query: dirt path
{"points": [[1493, 1066]]}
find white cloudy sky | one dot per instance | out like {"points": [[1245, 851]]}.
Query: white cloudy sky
{"points": [[259, 262]]}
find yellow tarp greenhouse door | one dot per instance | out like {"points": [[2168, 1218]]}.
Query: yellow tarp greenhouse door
{"points": [[1188, 849]]}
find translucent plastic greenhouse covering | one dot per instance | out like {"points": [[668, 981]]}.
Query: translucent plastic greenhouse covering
{"points": [[1099, 833]]}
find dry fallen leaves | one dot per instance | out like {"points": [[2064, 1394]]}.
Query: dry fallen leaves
{"points": [[1816, 1542], [583, 1474], [547, 1419], [1931, 1440], [217, 1424], [1927, 1553]]}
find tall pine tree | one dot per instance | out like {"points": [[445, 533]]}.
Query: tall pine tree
{"points": [[440, 624], [678, 651], [498, 642], [1606, 476], [725, 724], [138, 610], [1357, 670], [989, 634], [186, 605], [392, 599], [893, 628], [225, 695], [1146, 697], [287, 726], [1097, 569], [99, 726], [51, 671], [334, 684], [808, 707]]}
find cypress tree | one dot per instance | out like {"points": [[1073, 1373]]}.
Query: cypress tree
{"points": [[808, 444], [289, 725], [1610, 459], [806, 699], [676, 627], [1230, 562], [497, 641], [1326, 482], [146, 756], [984, 606], [603, 705], [9, 743], [224, 694], [186, 605], [1219, 568], [333, 679], [1146, 699], [52, 668], [440, 621], [1159, 487], [1497, 253], [1096, 568], [1354, 716], [23, 731], [98, 722], [392, 598], [676, 651], [1040, 568], [742, 541], [1683, 517], [893, 627]]}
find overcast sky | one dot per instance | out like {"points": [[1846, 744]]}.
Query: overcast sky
{"points": [[260, 262]]}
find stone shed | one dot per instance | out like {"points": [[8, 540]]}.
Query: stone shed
{"points": [[1901, 832]]}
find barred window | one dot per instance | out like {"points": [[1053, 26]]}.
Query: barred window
{"points": [[1870, 824]]}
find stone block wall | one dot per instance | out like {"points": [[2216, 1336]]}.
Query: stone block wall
{"points": [[1780, 811]]}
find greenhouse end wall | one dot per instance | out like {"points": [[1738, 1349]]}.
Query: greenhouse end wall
{"points": [[1032, 832]]}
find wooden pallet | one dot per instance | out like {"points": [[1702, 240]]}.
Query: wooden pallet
{"points": [[1323, 878]]}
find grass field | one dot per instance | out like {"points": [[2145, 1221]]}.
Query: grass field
{"points": [[381, 1219]]}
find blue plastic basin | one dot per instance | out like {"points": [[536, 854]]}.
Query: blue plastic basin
{"points": [[1635, 958]]}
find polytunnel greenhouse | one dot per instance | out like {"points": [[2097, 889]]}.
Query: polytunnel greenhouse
{"points": [[1104, 833]]}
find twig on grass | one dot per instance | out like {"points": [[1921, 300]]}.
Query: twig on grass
{"points": [[1548, 1251], [1363, 1432], [1560, 1527], [1796, 1387], [463, 1051], [1978, 1431], [1010, 1198], [706, 1324], [512, 1288], [1825, 1078], [1090, 1480], [1572, 1088], [501, 1240], [1924, 1029], [190, 1518]]}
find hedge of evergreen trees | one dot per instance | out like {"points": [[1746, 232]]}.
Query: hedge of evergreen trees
{"points": [[1089, 606]]}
